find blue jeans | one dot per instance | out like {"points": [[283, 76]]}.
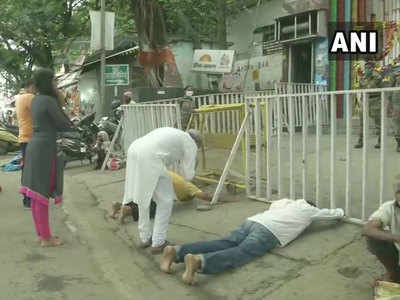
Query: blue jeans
{"points": [[249, 241]]}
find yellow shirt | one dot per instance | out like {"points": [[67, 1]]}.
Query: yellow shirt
{"points": [[184, 190], [23, 110]]}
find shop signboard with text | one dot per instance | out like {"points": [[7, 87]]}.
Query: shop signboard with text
{"points": [[116, 75], [213, 61]]}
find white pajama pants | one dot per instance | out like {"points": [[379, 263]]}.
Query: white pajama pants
{"points": [[163, 196]]}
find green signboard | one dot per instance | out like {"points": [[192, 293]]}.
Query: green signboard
{"points": [[117, 75]]}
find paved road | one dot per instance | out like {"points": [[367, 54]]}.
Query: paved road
{"points": [[95, 264], [101, 260], [29, 272]]}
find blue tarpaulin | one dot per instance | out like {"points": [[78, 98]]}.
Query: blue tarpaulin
{"points": [[13, 165]]}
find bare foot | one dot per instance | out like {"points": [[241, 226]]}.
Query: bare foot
{"points": [[114, 210], [52, 242], [203, 207], [125, 211], [39, 240], [192, 263], [168, 257]]}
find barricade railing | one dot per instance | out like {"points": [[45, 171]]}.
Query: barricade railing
{"points": [[140, 119], [322, 165], [282, 88], [228, 122], [219, 122], [163, 101]]}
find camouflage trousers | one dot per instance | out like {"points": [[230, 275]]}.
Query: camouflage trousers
{"points": [[375, 114], [394, 106], [187, 107], [374, 110]]}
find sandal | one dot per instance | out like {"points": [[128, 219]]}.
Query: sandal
{"points": [[160, 249], [52, 242]]}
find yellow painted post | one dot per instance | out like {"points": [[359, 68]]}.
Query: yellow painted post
{"points": [[266, 128], [189, 124], [203, 151], [244, 160]]}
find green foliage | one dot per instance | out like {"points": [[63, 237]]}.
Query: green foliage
{"points": [[45, 32], [200, 13], [32, 31]]}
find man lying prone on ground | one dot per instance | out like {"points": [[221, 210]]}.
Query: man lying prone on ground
{"points": [[275, 227], [185, 191]]}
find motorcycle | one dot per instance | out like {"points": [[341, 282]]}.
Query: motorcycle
{"points": [[10, 128], [79, 145], [8, 120], [106, 124]]}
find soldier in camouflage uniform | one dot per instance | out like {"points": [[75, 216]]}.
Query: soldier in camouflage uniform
{"points": [[187, 106], [375, 80], [371, 79], [395, 107]]}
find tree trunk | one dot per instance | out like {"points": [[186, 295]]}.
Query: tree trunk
{"points": [[156, 58], [221, 24]]}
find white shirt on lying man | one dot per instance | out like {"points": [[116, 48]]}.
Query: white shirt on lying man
{"points": [[286, 218]]}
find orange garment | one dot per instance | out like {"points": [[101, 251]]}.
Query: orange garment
{"points": [[23, 110]]}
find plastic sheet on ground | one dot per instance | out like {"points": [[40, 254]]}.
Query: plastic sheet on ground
{"points": [[13, 165]]}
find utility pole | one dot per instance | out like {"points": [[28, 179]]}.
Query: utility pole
{"points": [[102, 58]]}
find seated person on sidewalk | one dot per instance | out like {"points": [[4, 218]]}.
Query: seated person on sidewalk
{"points": [[184, 191], [101, 148], [275, 227], [383, 236]]}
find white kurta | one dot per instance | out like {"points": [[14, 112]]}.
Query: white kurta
{"points": [[147, 163]]}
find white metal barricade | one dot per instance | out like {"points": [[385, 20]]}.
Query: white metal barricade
{"points": [[140, 119], [229, 122], [163, 101], [219, 122], [322, 166], [283, 88]]}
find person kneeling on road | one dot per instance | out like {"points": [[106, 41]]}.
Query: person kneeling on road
{"points": [[383, 236], [185, 191], [275, 227]]}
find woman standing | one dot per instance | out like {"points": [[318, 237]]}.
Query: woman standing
{"points": [[43, 169]]}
